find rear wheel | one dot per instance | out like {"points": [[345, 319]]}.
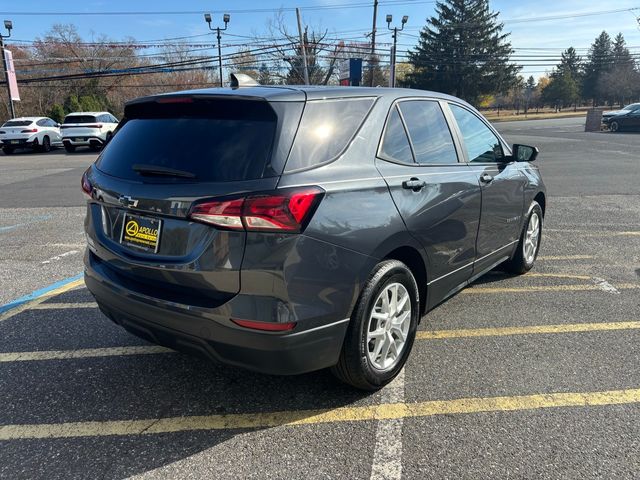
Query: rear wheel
{"points": [[7, 150], [614, 126], [382, 328], [69, 148], [529, 244], [46, 144]]}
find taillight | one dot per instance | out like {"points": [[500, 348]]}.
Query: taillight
{"points": [[284, 211], [265, 326], [86, 186], [31, 130]]}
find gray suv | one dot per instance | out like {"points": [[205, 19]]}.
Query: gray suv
{"points": [[290, 229]]}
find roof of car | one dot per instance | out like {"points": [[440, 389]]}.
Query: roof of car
{"points": [[304, 92], [25, 119]]}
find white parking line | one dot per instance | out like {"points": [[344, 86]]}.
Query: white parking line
{"points": [[387, 454], [59, 257], [605, 286]]}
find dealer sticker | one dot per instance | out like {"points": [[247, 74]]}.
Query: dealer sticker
{"points": [[141, 232]]}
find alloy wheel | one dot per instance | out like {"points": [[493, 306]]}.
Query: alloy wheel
{"points": [[532, 238], [388, 327]]}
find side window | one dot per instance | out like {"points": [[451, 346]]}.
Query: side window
{"points": [[113, 119], [326, 129], [481, 143], [429, 132], [103, 119], [42, 123], [395, 144]]}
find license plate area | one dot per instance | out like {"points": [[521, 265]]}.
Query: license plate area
{"points": [[141, 233]]}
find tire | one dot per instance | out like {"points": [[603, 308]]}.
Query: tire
{"points": [[523, 259], [614, 126], [108, 137], [69, 148], [46, 144], [36, 145], [7, 150], [355, 365]]}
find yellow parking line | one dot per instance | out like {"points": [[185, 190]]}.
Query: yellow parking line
{"points": [[309, 417], [526, 330], [39, 300], [544, 288], [56, 306], [565, 257], [82, 353], [558, 275]]}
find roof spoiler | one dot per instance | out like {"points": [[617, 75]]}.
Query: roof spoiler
{"points": [[241, 80]]}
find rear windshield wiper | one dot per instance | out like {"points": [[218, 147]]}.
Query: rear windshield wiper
{"points": [[163, 171]]}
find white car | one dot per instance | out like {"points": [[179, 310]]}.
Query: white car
{"points": [[37, 133], [87, 129]]}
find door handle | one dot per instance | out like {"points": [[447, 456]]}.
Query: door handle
{"points": [[414, 184], [486, 178]]}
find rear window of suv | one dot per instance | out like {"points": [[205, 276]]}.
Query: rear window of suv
{"points": [[214, 140], [80, 119], [18, 123]]}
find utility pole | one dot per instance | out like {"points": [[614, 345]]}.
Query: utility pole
{"points": [[304, 49], [395, 30], [8, 25], [373, 43], [225, 18]]}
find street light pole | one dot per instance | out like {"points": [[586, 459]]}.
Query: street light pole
{"points": [[8, 25], [395, 30], [225, 18]]}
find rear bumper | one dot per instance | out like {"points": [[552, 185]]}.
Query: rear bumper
{"points": [[17, 142], [82, 140], [214, 336]]}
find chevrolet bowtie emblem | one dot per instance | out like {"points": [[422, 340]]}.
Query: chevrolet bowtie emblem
{"points": [[127, 201]]}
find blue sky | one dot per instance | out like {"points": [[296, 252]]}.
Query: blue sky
{"points": [[524, 19]]}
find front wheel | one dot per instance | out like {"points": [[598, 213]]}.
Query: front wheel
{"points": [[529, 244], [382, 328], [614, 126]]}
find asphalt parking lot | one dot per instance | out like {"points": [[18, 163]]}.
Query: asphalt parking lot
{"points": [[515, 377]]}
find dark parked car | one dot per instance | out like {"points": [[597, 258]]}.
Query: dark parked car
{"points": [[289, 229], [626, 119]]}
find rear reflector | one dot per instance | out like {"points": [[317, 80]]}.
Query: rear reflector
{"points": [[281, 211], [265, 326]]}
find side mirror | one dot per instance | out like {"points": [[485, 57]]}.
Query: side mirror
{"points": [[524, 153], [58, 125]]}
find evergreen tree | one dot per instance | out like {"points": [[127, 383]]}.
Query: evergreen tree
{"points": [[462, 51], [622, 81], [599, 62], [529, 89], [621, 57], [570, 62], [561, 91]]}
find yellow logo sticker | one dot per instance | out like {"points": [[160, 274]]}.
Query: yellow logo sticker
{"points": [[132, 228]]}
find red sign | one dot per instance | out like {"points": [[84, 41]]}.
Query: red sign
{"points": [[11, 73]]}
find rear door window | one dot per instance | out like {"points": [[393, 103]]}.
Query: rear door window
{"points": [[326, 129], [395, 143], [429, 132], [215, 141]]}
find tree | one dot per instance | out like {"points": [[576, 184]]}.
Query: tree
{"points": [[264, 75], [374, 69], [462, 51], [570, 62], [529, 89], [57, 112], [622, 81], [561, 91], [599, 61]]}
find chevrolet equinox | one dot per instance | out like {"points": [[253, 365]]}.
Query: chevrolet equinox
{"points": [[290, 229]]}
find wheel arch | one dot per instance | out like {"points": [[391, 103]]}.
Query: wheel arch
{"points": [[414, 260], [542, 200]]}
